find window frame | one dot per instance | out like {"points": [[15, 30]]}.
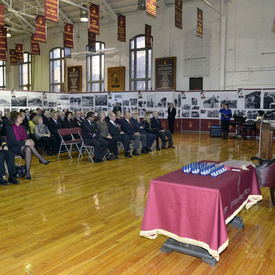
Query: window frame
{"points": [[61, 58], [20, 72], [4, 75]]}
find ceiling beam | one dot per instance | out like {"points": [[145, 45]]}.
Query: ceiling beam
{"points": [[113, 14]]}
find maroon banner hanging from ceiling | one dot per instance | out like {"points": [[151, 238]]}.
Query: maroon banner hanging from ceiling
{"points": [[151, 7], [19, 53], [3, 55], [2, 18], [13, 61], [3, 40], [91, 41], [199, 23], [40, 28], [52, 10], [148, 37], [94, 18], [178, 13], [121, 28], [35, 46], [69, 35]]}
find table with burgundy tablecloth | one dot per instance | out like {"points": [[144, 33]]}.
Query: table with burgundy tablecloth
{"points": [[195, 209]]}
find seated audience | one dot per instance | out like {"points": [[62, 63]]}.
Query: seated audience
{"points": [[19, 143], [139, 127], [119, 135], [104, 134], [53, 126], [31, 126], [77, 120], [61, 117], [8, 156], [48, 116], [119, 119], [126, 127], [25, 122], [68, 120], [6, 122], [155, 123], [148, 128], [116, 108], [90, 135], [42, 134]]}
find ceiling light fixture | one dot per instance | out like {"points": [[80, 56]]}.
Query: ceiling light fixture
{"points": [[142, 4], [8, 33], [84, 14]]}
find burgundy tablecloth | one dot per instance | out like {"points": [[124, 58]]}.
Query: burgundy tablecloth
{"points": [[195, 209]]}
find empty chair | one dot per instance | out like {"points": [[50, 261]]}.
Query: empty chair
{"points": [[249, 126]]}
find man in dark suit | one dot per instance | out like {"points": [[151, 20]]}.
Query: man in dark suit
{"points": [[171, 117], [126, 127], [6, 122], [119, 135], [139, 127], [116, 108], [90, 135], [53, 126], [77, 121], [156, 124], [6, 155]]}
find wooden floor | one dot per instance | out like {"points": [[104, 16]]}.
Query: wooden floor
{"points": [[82, 218]]}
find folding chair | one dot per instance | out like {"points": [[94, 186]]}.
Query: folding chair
{"points": [[68, 144], [87, 148]]}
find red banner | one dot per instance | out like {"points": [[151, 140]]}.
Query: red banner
{"points": [[35, 46], [178, 13], [91, 41], [2, 18], [199, 23], [151, 7], [69, 36], [13, 61], [121, 28], [3, 40], [148, 37], [19, 53], [52, 10], [40, 28], [94, 18], [3, 55]]}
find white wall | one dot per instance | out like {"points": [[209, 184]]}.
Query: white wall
{"points": [[246, 60]]}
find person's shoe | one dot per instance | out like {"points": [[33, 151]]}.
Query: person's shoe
{"points": [[98, 160], [116, 157], [13, 180], [148, 149], [110, 157], [45, 163], [28, 176], [128, 155], [3, 181], [136, 153], [164, 147], [157, 148], [144, 151], [171, 146]]}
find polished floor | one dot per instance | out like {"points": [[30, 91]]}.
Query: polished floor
{"points": [[75, 217]]}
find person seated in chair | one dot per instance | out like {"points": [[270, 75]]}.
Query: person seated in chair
{"points": [[8, 156], [90, 135], [53, 126], [119, 135], [77, 121], [156, 124], [139, 127]]}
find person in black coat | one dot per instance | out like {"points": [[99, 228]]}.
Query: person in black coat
{"points": [[116, 108], [119, 135], [90, 135], [77, 121], [171, 117], [8, 156], [6, 122], [53, 126]]}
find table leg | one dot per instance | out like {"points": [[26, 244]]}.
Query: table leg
{"points": [[238, 223], [192, 250]]}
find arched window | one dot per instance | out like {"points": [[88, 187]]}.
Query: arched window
{"points": [[140, 64], [57, 70], [95, 69], [2, 74], [25, 72]]}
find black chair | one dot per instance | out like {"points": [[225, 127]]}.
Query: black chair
{"points": [[249, 126], [265, 172]]}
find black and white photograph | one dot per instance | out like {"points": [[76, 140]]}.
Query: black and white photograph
{"points": [[35, 99], [87, 101], [97, 110], [186, 107], [51, 101], [101, 100], [161, 113], [252, 100], [75, 100], [252, 114], [194, 101], [269, 100], [179, 100], [213, 114], [239, 113], [118, 97], [150, 101], [211, 101], [126, 109], [5, 98], [240, 92], [85, 109], [133, 101], [141, 103], [203, 112], [133, 109], [185, 114], [195, 107], [161, 102], [19, 99], [141, 112], [126, 102], [195, 114], [183, 95]]}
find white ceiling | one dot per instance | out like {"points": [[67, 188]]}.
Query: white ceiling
{"points": [[20, 14]]}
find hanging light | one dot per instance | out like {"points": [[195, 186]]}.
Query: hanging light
{"points": [[142, 4], [8, 33], [84, 14]]}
